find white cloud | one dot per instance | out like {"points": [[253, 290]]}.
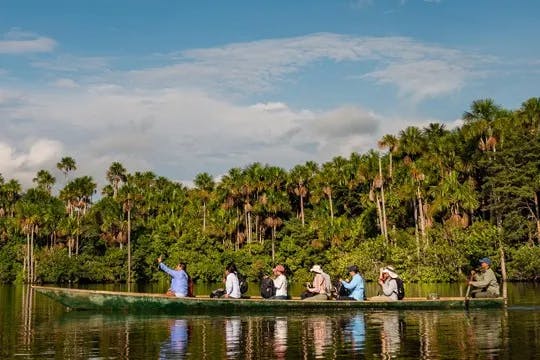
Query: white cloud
{"points": [[23, 160], [18, 42], [177, 133], [258, 66], [65, 83]]}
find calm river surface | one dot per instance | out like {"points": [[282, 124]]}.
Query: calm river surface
{"points": [[34, 327]]}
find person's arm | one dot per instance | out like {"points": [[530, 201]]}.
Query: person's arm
{"points": [[389, 287], [278, 282], [355, 281], [165, 268], [482, 281], [228, 285]]}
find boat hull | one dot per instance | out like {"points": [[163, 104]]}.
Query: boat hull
{"points": [[79, 299]]}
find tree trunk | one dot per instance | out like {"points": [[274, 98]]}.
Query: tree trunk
{"points": [[302, 209], [32, 262], [331, 208], [416, 229], [204, 217], [422, 218], [537, 210], [383, 218], [379, 214], [129, 247], [273, 245]]}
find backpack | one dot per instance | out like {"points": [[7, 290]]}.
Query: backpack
{"points": [[191, 287], [400, 289], [267, 288], [242, 282]]}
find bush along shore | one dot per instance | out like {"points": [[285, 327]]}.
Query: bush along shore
{"points": [[431, 201]]}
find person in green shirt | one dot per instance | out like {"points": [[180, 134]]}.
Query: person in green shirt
{"points": [[484, 282]]}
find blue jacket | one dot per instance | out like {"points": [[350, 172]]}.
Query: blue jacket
{"points": [[179, 282], [356, 286]]}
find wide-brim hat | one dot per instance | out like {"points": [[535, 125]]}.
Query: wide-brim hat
{"points": [[390, 271], [279, 268], [316, 269]]}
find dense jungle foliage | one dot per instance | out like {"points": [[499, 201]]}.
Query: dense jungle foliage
{"points": [[431, 202]]}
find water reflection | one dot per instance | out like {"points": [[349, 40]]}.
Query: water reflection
{"points": [[280, 338], [31, 326], [233, 329], [391, 328], [176, 346]]}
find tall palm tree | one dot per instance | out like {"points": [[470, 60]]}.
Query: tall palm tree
{"points": [[299, 179], [44, 180], [530, 114], [66, 165], [205, 185], [479, 123], [391, 143], [116, 174]]}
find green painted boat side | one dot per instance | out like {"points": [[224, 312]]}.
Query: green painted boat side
{"points": [[79, 299]]}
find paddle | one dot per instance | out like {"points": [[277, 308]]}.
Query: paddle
{"points": [[469, 279]]}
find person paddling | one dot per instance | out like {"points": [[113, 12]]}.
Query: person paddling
{"points": [[485, 282]]}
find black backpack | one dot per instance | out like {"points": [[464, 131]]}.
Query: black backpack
{"points": [[267, 288], [242, 282], [400, 289]]}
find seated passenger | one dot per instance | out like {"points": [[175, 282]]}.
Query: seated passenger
{"points": [[280, 283], [179, 281], [355, 286], [232, 285], [485, 282], [318, 290], [388, 280]]}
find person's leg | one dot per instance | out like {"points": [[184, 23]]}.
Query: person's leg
{"points": [[485, 295]]}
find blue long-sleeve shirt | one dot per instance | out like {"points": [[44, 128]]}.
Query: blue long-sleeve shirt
{"points": [[179, 281], [356, 286]]}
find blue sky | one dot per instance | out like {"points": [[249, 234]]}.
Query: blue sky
{"points": [[182, 87]]}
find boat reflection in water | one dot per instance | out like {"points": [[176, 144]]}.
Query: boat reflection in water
{"points": [[176, 346]]}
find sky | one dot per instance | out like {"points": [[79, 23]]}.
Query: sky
{"points": [[184, 87]]}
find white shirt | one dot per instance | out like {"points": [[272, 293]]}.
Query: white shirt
{"points": [[280, 283], [232, 287]]}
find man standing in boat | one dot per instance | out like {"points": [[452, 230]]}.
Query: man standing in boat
{"points": [[179, 281], [485, 282]]}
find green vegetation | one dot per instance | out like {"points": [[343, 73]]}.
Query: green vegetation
{"points": [[432, 203]]}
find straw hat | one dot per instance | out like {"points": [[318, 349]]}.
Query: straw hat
{"points": [[316, 269]]}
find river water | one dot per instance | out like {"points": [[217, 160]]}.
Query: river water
{"points": [[34, 327]]}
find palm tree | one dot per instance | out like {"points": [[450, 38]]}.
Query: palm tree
{"points": [[530, 114], [479, 121], [44, 180], [66, 165], [391, 143], [205, 185], [299, 178], [11, 192], [116, 174]]}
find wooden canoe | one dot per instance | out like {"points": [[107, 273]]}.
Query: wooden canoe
{"points": [[145, 302]]}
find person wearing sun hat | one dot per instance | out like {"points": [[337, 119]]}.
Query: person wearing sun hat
{"points": [[280, 283], [485, 282], [318, 289], [389, 288]]}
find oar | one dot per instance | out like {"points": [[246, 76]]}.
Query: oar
{"points": [[469, 278]]}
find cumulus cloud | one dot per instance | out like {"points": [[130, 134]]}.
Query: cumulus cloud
{"points": [[19, 42], [22, 160], [176, 133]]}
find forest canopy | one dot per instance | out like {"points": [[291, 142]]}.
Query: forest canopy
{"points": [[430, 201]]}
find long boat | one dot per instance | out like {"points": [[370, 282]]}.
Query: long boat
{"points": [[131, 302]]}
